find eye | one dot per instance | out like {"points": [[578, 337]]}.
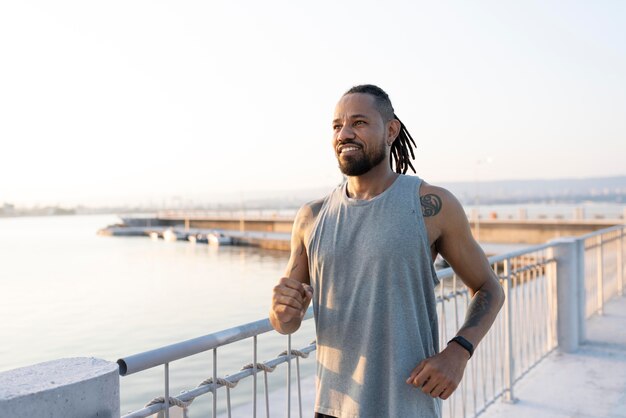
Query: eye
{"points": [[336, 127], [359, 122]]}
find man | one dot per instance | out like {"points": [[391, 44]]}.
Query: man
{"points": [[364, 255]]}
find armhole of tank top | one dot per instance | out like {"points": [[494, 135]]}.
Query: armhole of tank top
{"points": [[424, 232], [312, 235]]}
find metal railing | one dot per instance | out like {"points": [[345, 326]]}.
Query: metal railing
{"points": [[523, 334], [603, 267], [165, 355]]}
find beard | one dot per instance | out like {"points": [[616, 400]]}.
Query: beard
{"points": [[359, 165]]}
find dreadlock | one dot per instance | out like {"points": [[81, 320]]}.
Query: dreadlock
{"points": [[402, 147]]}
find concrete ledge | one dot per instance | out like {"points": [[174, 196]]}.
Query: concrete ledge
{"points": [[66, 388]]}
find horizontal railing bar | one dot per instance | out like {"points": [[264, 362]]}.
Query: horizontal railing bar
{"points": [[513, 254], [158, 356], [451, 295], [601, 231], [445, 273], [604, 241], [532, 266], [204, 389], [448, 272], [245, 373]]}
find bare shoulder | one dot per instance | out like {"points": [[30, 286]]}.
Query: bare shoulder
{"points": [[305, 218], [439, 202]]}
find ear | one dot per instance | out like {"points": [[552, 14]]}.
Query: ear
{"points": [[393, 130]]}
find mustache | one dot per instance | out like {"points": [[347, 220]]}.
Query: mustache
{"points": [[348, 142]]}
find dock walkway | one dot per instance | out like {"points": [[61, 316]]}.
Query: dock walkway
{"points": [[590, 383]]}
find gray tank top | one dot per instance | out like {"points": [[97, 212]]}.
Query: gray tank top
{"points": [[374, 303]]}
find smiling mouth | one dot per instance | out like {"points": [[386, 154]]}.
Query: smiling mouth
{"points": [[348, 149]]}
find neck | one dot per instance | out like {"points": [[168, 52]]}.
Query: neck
{"points": [[372, 183]]}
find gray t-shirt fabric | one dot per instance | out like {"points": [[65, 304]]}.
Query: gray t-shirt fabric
{"points": [[374, 303]]}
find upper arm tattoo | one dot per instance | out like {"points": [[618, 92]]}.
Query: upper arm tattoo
{"points": [[431, 204]]}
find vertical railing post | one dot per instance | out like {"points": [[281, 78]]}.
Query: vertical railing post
{"points": [[565, 252], [509, 361], [289, 376], [582, 292], [600, 274], [620, 263], [214, 411], [254, 377], [166, 401]]}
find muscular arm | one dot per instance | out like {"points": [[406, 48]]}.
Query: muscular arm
{"points": [[292, 294], [469, 262], [440, 375]]}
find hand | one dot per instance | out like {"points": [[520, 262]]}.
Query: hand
{"points": [[291, 299], [439, 375]]}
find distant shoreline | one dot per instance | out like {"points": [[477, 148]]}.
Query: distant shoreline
{"points": [[483, 203]]}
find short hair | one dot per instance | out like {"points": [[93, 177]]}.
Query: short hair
{"points": [[403, 144], [381, 99]]}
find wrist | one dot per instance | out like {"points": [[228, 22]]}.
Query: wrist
{"points": [[285, 327], [463, 344]]}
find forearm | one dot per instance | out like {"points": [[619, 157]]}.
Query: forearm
{"points": [[482, 311]]}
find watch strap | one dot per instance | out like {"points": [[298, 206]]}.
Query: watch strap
{"points": [[462, 341]]}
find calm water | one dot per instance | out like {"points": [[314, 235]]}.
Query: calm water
{"points": [[67, 292]]}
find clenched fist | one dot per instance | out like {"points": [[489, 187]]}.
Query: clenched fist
{"points": [[290, 301]]}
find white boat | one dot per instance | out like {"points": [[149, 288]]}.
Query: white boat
{"points": [[217, 238], [171, 234]]}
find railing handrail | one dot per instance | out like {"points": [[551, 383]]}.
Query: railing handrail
{"points": [[159, 356], [600, 232]]}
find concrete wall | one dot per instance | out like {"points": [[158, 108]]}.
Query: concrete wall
{"points": [[234, 225], [67, 388], [534, 231], [490, 230]]}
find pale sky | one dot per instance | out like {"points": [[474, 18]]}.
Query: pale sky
{"points": [[131, 101]]}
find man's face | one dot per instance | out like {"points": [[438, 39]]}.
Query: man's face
{"points": [[358, 134]]}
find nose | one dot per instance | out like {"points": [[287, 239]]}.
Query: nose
{"points": [[345, 133]]}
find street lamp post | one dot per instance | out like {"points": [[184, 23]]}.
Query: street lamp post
{"points": [[487, 160]]}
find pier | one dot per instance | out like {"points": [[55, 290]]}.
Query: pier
{"points": [[271, 229], [562, 324]]}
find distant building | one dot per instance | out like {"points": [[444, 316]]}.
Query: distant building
{"points": [[7, 209]]}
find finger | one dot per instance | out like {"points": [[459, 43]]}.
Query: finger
{"points": [[421, 377], [308, 295], [446, 393], [286, 291], [305, 304], [414, 373], [437, 390], [308, 290], [288, 301], [430, 384], [286, 313], [292, 284]]}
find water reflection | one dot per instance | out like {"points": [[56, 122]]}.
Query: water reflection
{"points": [[68, 292]]}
